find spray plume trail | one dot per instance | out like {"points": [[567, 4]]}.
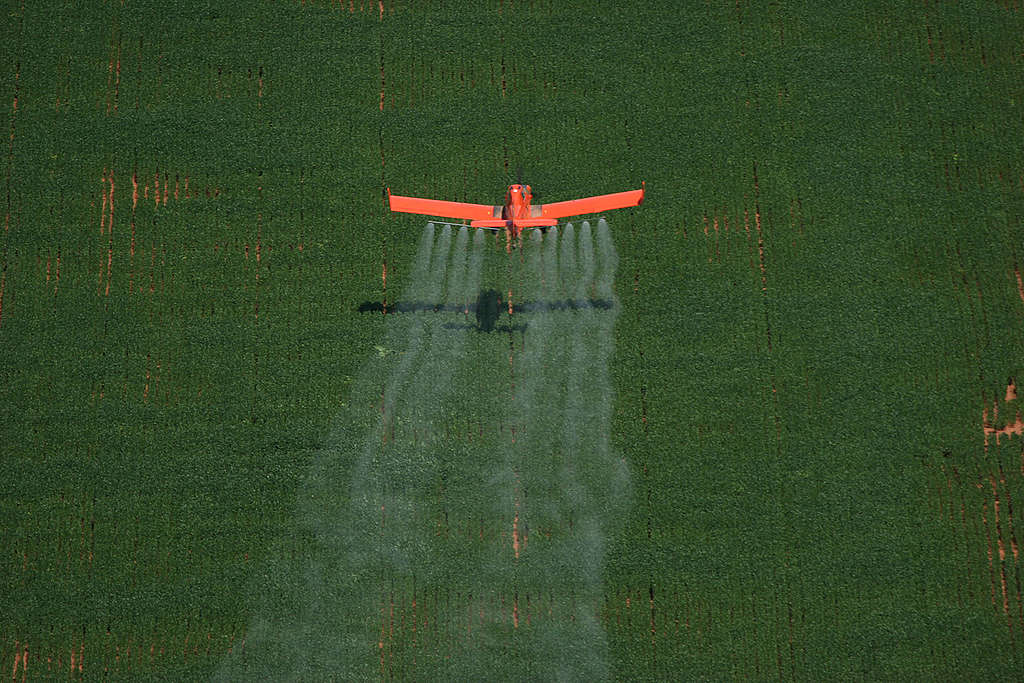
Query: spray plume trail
{"points": [[591, 487], [409, 459], [363, 508], [567, 264], [559, 473], [352, 513]]}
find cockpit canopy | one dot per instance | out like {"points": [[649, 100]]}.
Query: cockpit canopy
{"points": [[518, 194]]}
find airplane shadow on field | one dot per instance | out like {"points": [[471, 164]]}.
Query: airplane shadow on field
{"points": [[487, 309]]}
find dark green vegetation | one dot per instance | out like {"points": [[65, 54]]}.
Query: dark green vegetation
{"points": [[819, 310]]}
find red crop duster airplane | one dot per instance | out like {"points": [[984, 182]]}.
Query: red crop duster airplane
{"points": [[517, 212]]}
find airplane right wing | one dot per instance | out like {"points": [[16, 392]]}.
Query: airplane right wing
{"points": [[437, 207], [604, 202]]}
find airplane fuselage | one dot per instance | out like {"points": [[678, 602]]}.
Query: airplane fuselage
{"points": [[517, 213], [517, 201]]}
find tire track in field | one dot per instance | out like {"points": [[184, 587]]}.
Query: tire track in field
{"points": [[317, 601]]}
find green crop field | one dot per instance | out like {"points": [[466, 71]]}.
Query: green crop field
{"points": [[764, 426]]}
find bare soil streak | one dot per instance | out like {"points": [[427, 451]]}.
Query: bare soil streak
{"points": [[381, 107], [1009, 512], [110, 233], [515, 531], [103, 198], [1002, 550]]}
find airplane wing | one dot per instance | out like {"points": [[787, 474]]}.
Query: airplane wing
{"points": [[437, 207], [604, 202]]}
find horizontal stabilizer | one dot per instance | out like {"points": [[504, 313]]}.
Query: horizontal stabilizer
{"points": [[518, 223]]}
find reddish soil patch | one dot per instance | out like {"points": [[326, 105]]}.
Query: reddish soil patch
{"points": [[17, 660], [1001, 548], [110, 263], [1011, 391], [1015, 428], [381, 107], [110, 222], [120, 655], [103, 198], [515, 532], [76, 661], [518, 540]]}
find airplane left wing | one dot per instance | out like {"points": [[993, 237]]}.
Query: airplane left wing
{"points": [[437, 207], [604, 202]]}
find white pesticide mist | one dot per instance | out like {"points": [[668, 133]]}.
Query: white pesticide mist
{"points": [[567, 262], [316, 600], [556, 489], [560, 478]]}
